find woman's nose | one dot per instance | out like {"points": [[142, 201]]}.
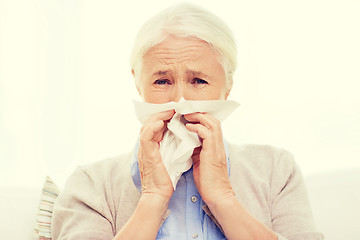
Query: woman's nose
{"points": [[177, 93]]}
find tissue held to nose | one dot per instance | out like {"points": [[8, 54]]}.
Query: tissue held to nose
{"points": [[178, 141]]}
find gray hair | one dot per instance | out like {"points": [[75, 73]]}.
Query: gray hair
{"points": [[187, 20]]}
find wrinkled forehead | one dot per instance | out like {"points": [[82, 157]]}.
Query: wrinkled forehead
{"points": [[180, 50]]}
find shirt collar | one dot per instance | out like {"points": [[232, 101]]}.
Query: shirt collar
{"points": [[135, 171]]}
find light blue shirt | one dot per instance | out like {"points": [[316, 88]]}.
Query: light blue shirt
{"points": [[187, 219]]}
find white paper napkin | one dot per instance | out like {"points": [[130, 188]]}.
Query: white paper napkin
{"points": [[178, 143]]}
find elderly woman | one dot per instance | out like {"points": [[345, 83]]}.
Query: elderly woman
{"points": [[230, 192]]}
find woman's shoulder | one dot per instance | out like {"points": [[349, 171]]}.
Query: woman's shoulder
{"points": [[259, 152], [265, 160], [103, 174], [109, 166], [263, 167]]}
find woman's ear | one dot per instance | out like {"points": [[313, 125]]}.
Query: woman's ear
{"points": [[136, 82], [133, 73], [227, 94], [228, 87]]}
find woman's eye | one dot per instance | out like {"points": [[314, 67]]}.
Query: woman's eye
{"points": [[162, 81], [199, 81]]}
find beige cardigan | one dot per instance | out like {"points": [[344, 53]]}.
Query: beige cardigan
{"points": [[98, 199]]}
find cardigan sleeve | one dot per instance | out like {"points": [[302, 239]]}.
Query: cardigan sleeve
{"points": [[79, 211], [290, 206]]}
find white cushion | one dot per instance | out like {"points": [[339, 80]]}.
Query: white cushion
{"points": [[49, 193]]}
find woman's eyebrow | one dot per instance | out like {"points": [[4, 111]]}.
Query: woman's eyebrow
{"points": [[197, 73], [189, 72], [160, 73]]}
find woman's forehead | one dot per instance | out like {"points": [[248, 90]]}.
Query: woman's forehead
{"points": [[187, 51], [177, 47]]}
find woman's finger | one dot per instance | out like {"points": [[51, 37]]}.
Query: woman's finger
{"points": [[165, 115], [154, 127], [161, 116], [203, 118], [207, 127], [201, 130]]}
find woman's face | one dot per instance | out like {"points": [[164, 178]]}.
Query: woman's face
{"points": [[182, 67]]}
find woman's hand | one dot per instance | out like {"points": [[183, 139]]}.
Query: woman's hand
{"points": [[212, 182], [155, 180], [156, 185], [209, 161]]}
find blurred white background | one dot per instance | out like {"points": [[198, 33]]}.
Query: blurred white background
{"points": [[66, 90]]}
